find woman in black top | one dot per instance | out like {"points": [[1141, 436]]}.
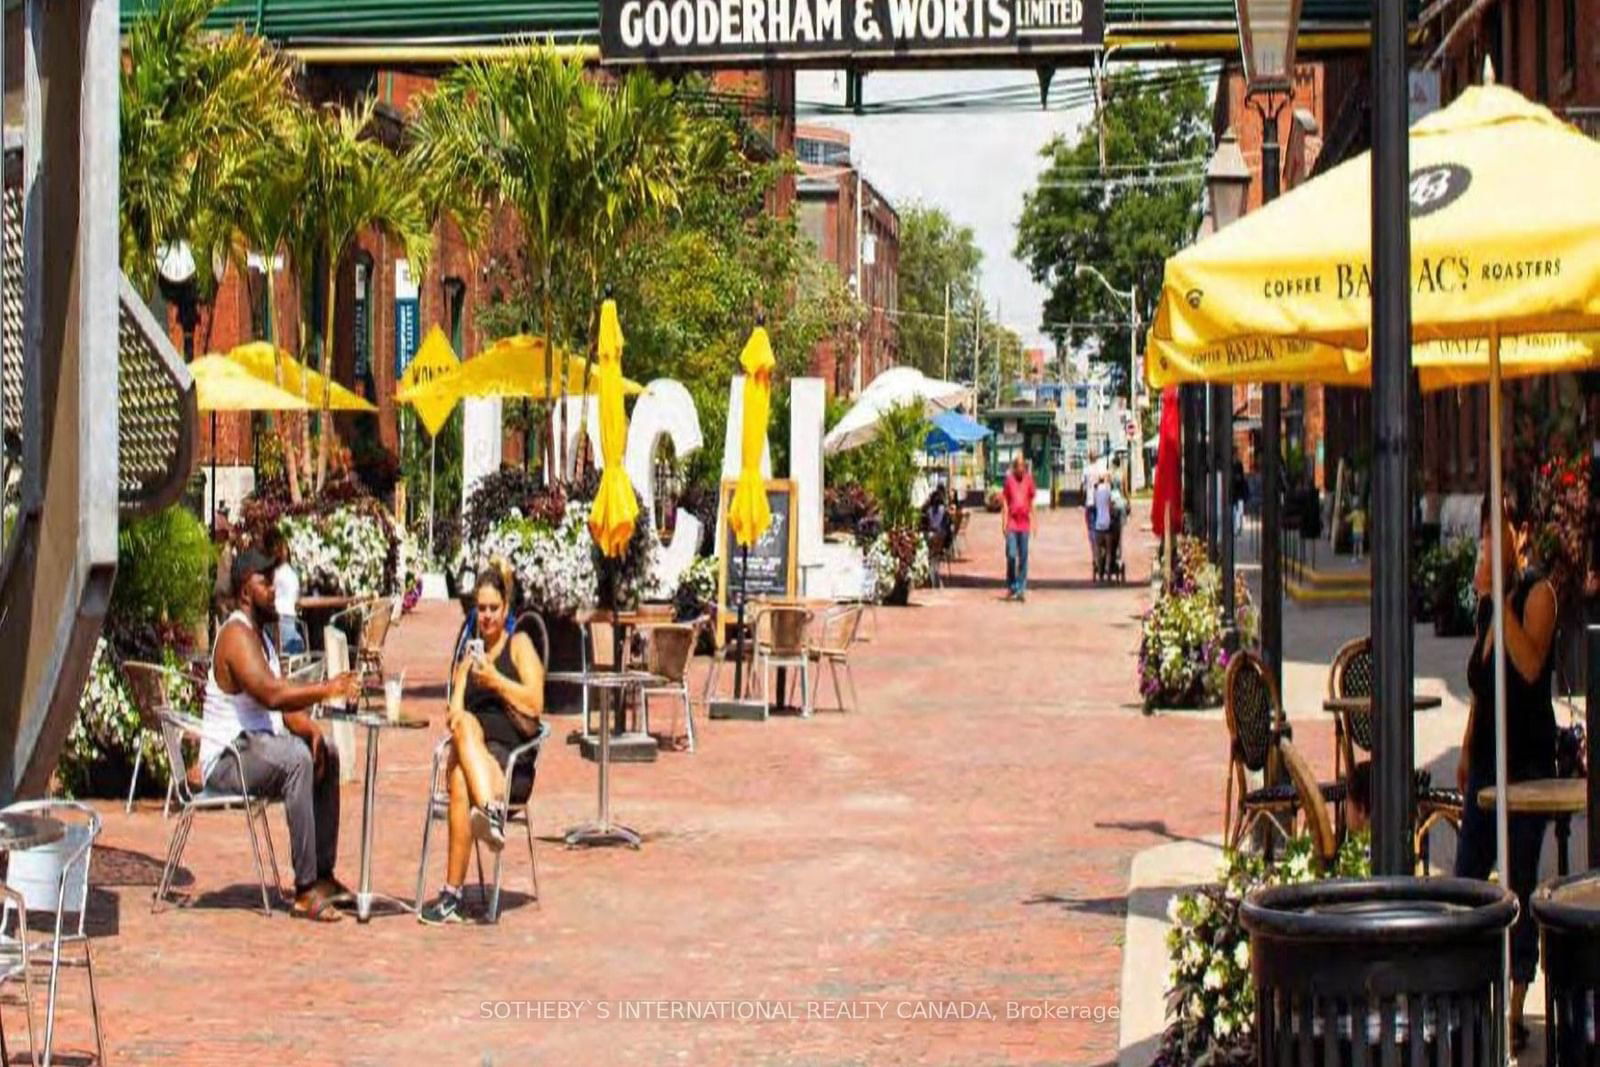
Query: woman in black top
{"points": [[1530, 626], [495, 704]]}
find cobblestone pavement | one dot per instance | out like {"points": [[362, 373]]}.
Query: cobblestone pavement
{"points": [[959, 842]]}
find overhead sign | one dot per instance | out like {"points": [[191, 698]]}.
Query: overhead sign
{"points": [[727, 31]]}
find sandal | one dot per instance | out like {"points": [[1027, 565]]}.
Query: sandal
{"points": [[316, 908]]}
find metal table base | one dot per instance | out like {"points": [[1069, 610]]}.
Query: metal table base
{"points": [[364, 898], [602, 831]]}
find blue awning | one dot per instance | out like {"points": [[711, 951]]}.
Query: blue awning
{"points": [[953, 432]]}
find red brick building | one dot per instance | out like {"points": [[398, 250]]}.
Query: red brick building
{"points": [[833, 195], [454, 289]]}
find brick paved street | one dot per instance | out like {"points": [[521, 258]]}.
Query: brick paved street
{"points": [[965, 836]]}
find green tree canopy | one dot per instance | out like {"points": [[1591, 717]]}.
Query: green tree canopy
{"points": [[1124, 217], [937, 257]]}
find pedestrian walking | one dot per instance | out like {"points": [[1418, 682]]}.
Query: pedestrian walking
{"points": [[1017, 500]]}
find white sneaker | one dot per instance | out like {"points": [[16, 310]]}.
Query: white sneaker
{"points": [[489, 828]]}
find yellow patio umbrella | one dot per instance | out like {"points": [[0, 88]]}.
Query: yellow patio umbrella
{"points": [[1443, 364], [616, 508], [434, 359], [1505, 240], [512, 368], [261, 359], [749, 514], [1503, 231], [222, 385]]}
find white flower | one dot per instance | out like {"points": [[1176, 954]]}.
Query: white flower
{"points": [[1212, 979], [1223, 1026], [1196, 1009], [1172, 909], [1241, 955]]}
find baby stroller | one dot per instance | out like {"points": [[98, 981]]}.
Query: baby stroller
{"points": [[1108, 562]]}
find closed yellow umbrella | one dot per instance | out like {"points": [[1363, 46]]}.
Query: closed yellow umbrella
{"points": [[261, 359], [616, 508], [434, 359], [749, 514]]}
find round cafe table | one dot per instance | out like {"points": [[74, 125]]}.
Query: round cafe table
{"points": [[1559, 798], [374, 723], [603, 831]]}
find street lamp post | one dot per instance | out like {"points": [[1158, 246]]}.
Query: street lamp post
{"points": [[1228, 182], [1267, 33], [1131, 299]]}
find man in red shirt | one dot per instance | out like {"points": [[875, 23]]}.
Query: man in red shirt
{"points": [[1017, 507]]}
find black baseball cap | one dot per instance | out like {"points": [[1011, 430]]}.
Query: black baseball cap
{"points": [[248, 562]]}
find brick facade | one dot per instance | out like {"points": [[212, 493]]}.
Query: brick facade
{"points": [[455, 277]]}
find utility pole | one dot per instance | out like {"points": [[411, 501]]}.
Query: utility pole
{"points": [[947, 331], [977, 341]]}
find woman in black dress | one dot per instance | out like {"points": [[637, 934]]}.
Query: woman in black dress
{"points": [[495, 703], [1530, 740]]}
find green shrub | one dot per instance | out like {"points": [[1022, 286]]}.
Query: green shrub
{"points": [[165, 571]]}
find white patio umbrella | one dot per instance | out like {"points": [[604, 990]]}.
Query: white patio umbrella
{"points": [[893, 388]]}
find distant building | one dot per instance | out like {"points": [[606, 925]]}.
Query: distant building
{"points": [[832, 195], [1036, 359]]}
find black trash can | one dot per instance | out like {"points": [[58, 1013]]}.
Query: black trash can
{"points": [[1379, 971], [1568, 913]]}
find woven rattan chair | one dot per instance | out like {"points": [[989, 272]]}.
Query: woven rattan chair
{"points": [[1352, 676], [782, 641], [154, 687], [832, 647], [1313, 808], [1256, 723]]}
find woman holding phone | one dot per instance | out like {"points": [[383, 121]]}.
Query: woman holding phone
{"points": [[495, 701]]}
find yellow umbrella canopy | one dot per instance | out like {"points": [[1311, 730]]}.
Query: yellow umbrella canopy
{"points": [[513, 368], [616, 508], [1289, 360], [1505, 233], [434, 359], [749, 514], [261, 359], [222, 385]]}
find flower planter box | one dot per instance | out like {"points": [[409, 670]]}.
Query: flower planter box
{"points": [[900, 595]]}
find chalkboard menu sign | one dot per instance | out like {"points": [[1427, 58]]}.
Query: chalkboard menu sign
{"points": [[771, 573]]}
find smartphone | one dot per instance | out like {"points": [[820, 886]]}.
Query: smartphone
{"points": [[475, 648]]}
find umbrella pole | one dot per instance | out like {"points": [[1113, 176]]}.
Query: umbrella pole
{"points": [[433, 456], [1497, 552], [738, 627], [213, 470]]}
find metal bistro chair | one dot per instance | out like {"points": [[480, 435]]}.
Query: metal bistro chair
{"points": [[668, 656], [439, 790], [18, 966], [54, 880], [375, 627], [1255, 725], [153, 687], [439, 808], [840, 626], [175, 727], [785, 646], [754, 634]]}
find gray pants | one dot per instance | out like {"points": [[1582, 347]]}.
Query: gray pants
{"points": [[279, 766]]}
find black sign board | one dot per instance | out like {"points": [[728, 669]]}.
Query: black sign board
{"points": [[771, 573], [809, 31]]}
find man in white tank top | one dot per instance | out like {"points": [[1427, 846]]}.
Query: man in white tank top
{"points": [[243, 691]]}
